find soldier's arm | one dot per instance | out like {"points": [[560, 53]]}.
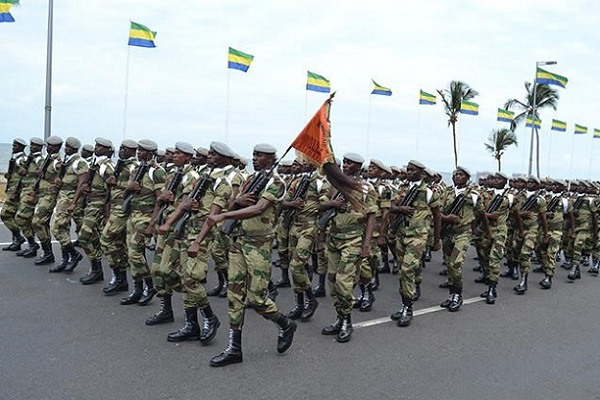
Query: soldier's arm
{"points": [[366, 245], [81, 180], [437, 227]]}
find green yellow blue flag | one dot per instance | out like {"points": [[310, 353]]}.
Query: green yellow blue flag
{"points": [[543, 76], [559, 126], [580, 129], [468, 107], [141, 36], [426, 98], [533, 122], [5, 6], [378, 89], [596, 133], [505, 115], [317, 83], [239, 60]]}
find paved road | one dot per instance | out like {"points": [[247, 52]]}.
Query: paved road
{"points": [[62, 340]]}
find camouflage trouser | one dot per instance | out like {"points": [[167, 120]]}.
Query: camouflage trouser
{"points": [[412, 248], [282, 236], [567, 243], [9, 210], [321, 253], [511, 239], [582, 237], [78, 214], [391, 243], [344, 262], [455, 246], [370, 264], [219, 249], [548, 251], [114, 239], [89, 235], [193, 270], [301, 239], [524, 246], [42, 216], [24, 216], [61, 225], [166, 266], [136, 244], [596, 249], [493, 252], [249, 275]]}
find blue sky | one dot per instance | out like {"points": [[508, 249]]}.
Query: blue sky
{"points": [[178, 91]]}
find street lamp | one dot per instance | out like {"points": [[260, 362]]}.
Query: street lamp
{"points": [[533, 108]]}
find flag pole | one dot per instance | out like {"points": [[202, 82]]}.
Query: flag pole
{"points": [[369, 126], [571, 162], [48, 101], [227, 108], [126, 91]]}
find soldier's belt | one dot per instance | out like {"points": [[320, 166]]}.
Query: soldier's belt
{"points": [[97, 195], [306, 219], [144, 209]]}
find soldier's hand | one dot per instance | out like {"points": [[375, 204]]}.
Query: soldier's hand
{"points": [[298, 203], [381, 241], [195, 206], [149, 232], [339, 202], [111, 180], [164, 229], [193, 250], [22, 171], [134, 187], [71, 208], [437, 245], [58, 182], [526, 215], [214, 219], [453, 219], [167, 196], [246, 200], [545, 239], [406, 210], [365, 250], [85, 188], [186, 204]]}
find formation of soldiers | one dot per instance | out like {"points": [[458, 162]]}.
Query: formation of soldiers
{"points": [[192, 205]]}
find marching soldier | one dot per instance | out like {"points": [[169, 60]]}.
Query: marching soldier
{"points": [[282, 233], [11, 205], [584, 216]]}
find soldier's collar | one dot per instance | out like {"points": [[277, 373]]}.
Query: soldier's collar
{"points": [[418, 183], [19, 154], [100, 159], [529, 193]]}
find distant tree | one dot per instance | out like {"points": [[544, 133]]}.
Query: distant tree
{"points": [[452, 97], [546, 97], [499, 141]]}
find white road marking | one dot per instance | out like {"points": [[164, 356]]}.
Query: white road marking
{"points": [[416, 313], [7, 243]]}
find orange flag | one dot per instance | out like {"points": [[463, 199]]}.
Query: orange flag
{"points": [[314, 140]]}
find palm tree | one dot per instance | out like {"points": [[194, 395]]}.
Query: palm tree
{"points": [[499, 141], [545, 97], [452, 97]]}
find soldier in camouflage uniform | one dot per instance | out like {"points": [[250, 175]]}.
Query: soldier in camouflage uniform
{"points": [[11, 204], [24, 191], [114, 234], [300, 212], [87, 154], [45, 198], [282, 233], [456, 231], [412, 239], [584, 216], [250, 258], [348, 243], [73, 171], [143, 193], [166, 267], [95, 192], [527, 228]]}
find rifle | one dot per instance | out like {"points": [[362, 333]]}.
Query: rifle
{"points": [[255, 186], [578, 203], [173, 185], [91, 175], [38, 179], [455, 207], [554, 203], [328, 214], [139, 174], [116, 174], [197, 194], [12, 163], [17, 192], [495, 203], [531, 201], [301, 190], [407, 201]]}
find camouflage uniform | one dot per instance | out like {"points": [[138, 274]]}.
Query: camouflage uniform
{"points": [[583, 226], [524, 246], [493, 248], [48, 195], [11, 205], [556, 220], [24, 215]]}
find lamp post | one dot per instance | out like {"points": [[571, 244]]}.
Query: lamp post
{"points": [[48, 103], [533, 109]]}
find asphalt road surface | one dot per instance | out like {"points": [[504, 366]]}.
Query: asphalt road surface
{"points": [[62, 340]]}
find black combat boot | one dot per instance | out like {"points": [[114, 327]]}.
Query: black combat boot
{"points": [[395, 268], [216, 291], [165, 314], [363, 295], [48, 256], [320, 289], [427, 256], [285, 337], [567, 264], [575, 274], [405, 315], [189, 331], [375, 281], [136, 295], [447, 302], [149, 292], [385, 257], [368, 300], [595, 268], [457, 301], [334, 328], [75, 258], [521, 288], [233, 353], [272, 291], [310, 306], [490, 294], [417, 292], [284, 282], [31, 250], [65, 261], [117, 284], [546, 283], [298, 309], [17, 241], [510, 272], [345, 333], [94, 275], [210, 324]]}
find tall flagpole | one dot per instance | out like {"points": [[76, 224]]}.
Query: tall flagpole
{"points": [[227, 108], [48, 102], [369, 126], [126, 92]]}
